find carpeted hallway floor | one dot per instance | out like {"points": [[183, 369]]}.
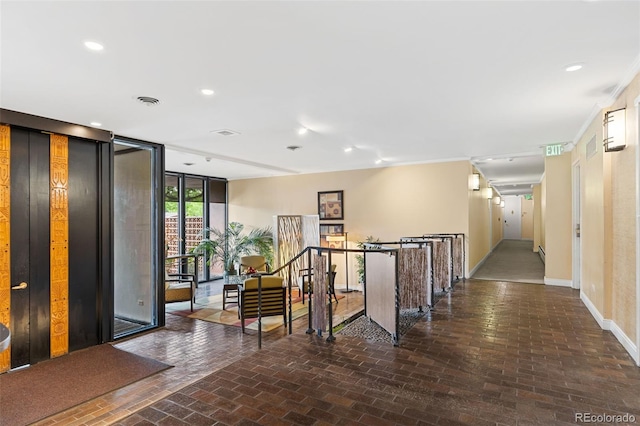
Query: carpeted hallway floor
{"points": [[512, 260]]}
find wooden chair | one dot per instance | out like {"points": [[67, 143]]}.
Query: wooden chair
{"points": [[303, 282], [273, 298], [259, 263], [179, 288]]}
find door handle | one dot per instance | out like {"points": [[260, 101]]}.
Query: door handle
{"points": [[20, 286]]}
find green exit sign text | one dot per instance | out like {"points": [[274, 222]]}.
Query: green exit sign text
{"points": [[555, 149]]}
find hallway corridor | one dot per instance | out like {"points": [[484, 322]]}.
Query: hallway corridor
{"points": [[512, 260]]}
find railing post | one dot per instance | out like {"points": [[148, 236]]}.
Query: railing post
{"points": [[364, 280], [330, 283], [290, 307], [259, 311], [308, 276], [396, 338]]}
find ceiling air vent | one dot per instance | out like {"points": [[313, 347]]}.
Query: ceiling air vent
{"points": [[148, 101], [293, 147], [225, 132]]}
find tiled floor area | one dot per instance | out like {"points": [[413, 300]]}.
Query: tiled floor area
{"points": [[490, 353]]}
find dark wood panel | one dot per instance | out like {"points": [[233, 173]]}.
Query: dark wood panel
{"points": [[83, 244], [20, 247], [29, 121], [105, 302], [39, 225]]}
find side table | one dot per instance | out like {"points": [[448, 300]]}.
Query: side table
{"points": [[230, 294]]}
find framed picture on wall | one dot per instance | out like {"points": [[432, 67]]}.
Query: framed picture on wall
{"points": [[331, 205], [328, 231]]}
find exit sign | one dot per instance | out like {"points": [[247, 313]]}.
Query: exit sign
{"points": [[555, 149]]}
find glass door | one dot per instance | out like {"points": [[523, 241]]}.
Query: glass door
{"points": [[136, 241], [193, 203]]}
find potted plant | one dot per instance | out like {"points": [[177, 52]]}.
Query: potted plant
{"points": [[360, 258], [227, 246]]}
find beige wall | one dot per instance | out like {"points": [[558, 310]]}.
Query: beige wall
{"points": [[623, 204], [543, 211], [387, 203], [497, 218], [557, 218], [526, 208], [592, 280], [479, 237], [608, 193], [537, 217]]}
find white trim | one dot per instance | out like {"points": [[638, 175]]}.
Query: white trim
{"points": [[637, 105], [624, 340], [595, 110], [576, 220], [604, 324], [607, 324], [558, 282], [628, 78], [615, 93]]}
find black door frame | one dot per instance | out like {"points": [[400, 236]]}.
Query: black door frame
{"points": [[104, 284]]}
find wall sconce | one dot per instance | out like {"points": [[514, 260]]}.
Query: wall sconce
{"points": [[614, 130], [496, 200], [474, 181], [488, 193], [502, 204]]}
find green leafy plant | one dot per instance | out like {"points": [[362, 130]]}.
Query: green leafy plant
{"points": [[360, 258], [227, 246]]}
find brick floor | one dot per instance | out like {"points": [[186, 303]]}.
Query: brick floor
{"points": [[490, 353]]}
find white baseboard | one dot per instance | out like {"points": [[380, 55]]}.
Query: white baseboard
{"points": [[558, 282], [603, 323], [607, 324], [624, 340]]}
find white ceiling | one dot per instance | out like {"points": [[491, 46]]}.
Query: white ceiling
{"points": [[404, 82]]}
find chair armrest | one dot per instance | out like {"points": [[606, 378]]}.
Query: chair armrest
{"points": [[180, 277]]}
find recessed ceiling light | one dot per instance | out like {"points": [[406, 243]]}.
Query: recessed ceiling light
{"points": [[302, 130], [293, 147], [378, 161], [188, 164], [96, 124], [92, 45], [348, 149], [573, 67], [207, 92]]}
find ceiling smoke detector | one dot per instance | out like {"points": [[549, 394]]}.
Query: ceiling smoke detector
{"points": [[225, 132], [148, 100], [293, 147]]}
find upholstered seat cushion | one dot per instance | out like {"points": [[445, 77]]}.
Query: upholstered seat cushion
{"points": [[267, 282], [177, 292]]}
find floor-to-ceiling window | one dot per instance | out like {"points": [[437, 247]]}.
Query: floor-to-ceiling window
{"points": [[186, 215], [136, 242]]}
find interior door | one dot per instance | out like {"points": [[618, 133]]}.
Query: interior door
{"points": [[576, 227], [35, 243], [29, 247], [512, 229]]}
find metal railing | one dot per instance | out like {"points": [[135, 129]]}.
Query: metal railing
{"points": [[288, 266]]}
